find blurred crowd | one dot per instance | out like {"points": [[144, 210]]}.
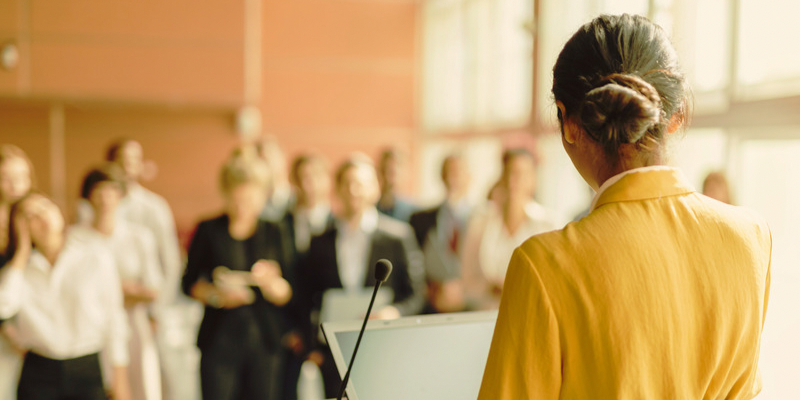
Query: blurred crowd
{"points": [[106, 306]]}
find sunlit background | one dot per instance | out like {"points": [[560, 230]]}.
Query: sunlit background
{"points": [[429, 76]]}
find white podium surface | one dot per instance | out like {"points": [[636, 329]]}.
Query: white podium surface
{"points": [[424, 358]]}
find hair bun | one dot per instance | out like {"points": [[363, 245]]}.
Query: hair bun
{"points": [[620, 109]]}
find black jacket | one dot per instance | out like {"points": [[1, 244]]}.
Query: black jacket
{"points": [[212, 246], [392, 240]]}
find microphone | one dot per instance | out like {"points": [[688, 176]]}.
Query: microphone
{"points": [[382, 270]]}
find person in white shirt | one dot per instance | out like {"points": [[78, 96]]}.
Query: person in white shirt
{"points": [[511, 218], [146, 208], [64, 291], [175, 315], [134, 252]]}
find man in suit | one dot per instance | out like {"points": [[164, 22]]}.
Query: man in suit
{"points": [[344, 255], [440, 231], [391, 174]]}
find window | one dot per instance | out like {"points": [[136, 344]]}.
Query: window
{"points": [[768, 60], [477, 65]]}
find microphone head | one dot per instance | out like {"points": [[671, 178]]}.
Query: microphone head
{"points": [[382, 269]]}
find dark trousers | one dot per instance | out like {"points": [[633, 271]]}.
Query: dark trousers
{"points": [[292, 364], [235, 369], [73, 379]]}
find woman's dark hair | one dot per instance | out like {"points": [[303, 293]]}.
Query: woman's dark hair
{"points": [[108, 172], [113, 150], [510, 154], [619, 78], [452, 157], [310, 157], [355, 160]]}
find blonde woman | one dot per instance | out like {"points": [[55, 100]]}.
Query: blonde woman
{"points": [[240, 335]]}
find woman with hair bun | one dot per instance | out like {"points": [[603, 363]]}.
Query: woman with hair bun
{"points": [[659, 292]]}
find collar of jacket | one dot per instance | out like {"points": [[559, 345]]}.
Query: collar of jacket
{"points": [[644, 185]]}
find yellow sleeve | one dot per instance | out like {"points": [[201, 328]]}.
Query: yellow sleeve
{"points": [[525, 356]]}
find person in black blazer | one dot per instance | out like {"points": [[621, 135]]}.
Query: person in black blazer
{"points": [[439, 232], [344, 256], [240, 335]]}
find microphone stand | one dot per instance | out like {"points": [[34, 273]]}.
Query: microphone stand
{"points": [[382, 270]]}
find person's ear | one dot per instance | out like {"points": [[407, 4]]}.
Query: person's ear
{"points": [[675, 122], [568, 131]]}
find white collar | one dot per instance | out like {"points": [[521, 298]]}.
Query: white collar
{"points": [[614, 179], [368, 224]]}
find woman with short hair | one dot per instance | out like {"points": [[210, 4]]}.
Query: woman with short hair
{"points": [[135, 256], [240, 335]]}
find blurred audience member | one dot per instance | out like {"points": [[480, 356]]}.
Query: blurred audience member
{"points": [[309, 217], [391, 173], [65, 293], [717, 187], [494, 233], [311, 214], [16, 180], [150, 210], [280, 196], [134, 251], [234, 268], [440, 233], [344, 255]]}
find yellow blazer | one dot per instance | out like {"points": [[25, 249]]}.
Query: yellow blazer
{"points": [[659, 293]]}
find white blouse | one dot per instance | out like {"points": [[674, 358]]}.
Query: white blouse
{"points": [[352, 250], [70, 309], [134, 251], [497, 244]]}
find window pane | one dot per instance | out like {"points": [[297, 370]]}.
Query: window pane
{"points": [[443, 66], [559, 21], [767, 43], [477, 64], [513, 62], [623, 6], [711, 45]]}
